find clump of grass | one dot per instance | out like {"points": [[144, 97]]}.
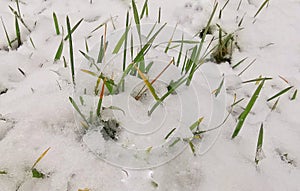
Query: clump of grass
{"points": [[247, 110], [223, 52]]}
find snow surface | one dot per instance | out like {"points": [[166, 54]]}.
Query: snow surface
{"points": [[35, 112]]}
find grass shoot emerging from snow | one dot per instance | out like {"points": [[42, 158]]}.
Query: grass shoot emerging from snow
{"points": [[247, 110]]}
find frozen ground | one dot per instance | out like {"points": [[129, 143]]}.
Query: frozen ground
{"points": [[35, 112]]}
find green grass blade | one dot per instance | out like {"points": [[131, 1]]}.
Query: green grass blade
{"points": [[192, 146], [237, 64], [121, 41], [172, 89], [18, 7], [125, 45], [275, 104], [20, 18], [86, 45], [247, 110], [18, 33], [56, 24], [73, 29], [196, 124], [170, 133], [101, 51], [59, 51], [218, 90], [170, 41], [247, 67], [146, 47], [261, 7], [294, 95], [256, 80], [32, 43], [201, 45], [279, 93], [180, 52], [6, 34], [159, 15], [71, 49], [145, 9], [259, 144], [137, 20], [77, 109]]}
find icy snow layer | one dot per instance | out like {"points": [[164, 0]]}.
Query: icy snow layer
{"points": [[36, 114]]}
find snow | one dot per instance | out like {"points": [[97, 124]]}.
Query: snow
{"points": [[35, 112]]}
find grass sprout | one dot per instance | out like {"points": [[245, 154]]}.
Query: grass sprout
{"points": [[35, 172], [294, 95], [56, 23], [259, 152]]}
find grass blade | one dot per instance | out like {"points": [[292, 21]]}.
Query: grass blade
{"points": [[159, 15], [6, 34], [40, 158], [218, 90], [279, 93], [261, 7], [59, 51], [18, 34], [56, 24], [196, 124], [237, 64], [20, 18], [201, 45], [294, 95], [256, 80], [77, 109], [137, 20], [259, 145], [147, 83], [100, 99], [141, 92], [174, 86], [31, 41], [145, 9], [71, 49], [247, 110], [169, 134], [73, 29]]}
